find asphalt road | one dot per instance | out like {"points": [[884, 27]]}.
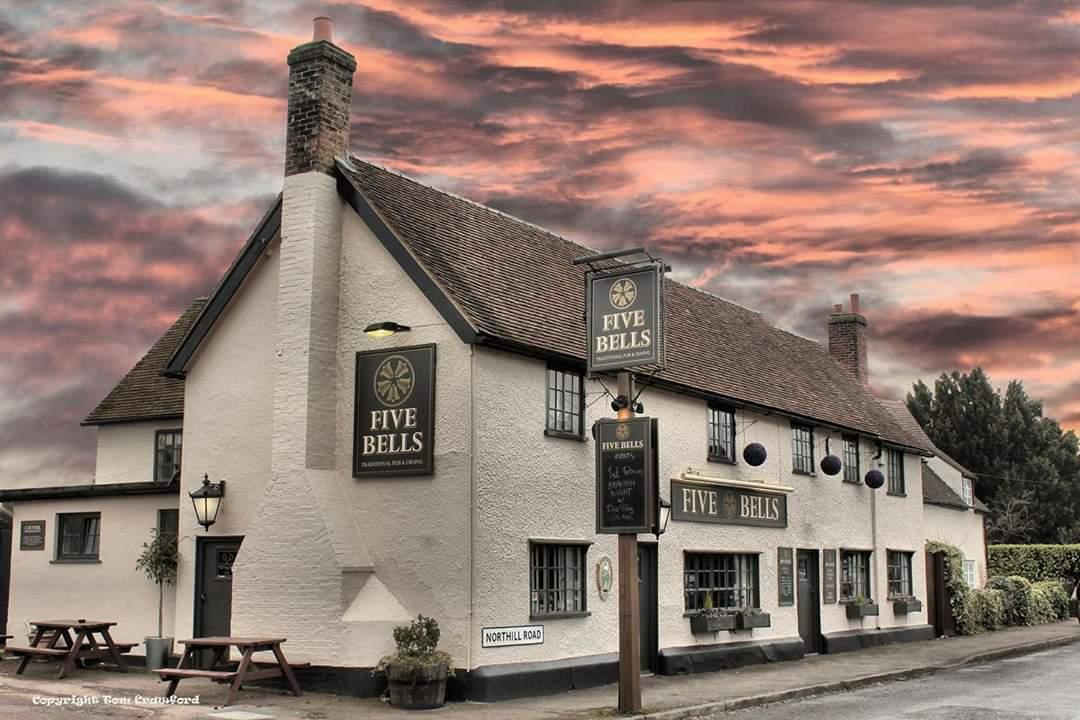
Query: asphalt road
{"points": [[1042, 686]]}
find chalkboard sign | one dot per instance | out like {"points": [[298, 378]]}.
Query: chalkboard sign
{"points": [[32, 535], [829, 579], [785, 570], [624, 479]]}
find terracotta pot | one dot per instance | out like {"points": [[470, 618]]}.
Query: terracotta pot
{"points": [[422, 688]]}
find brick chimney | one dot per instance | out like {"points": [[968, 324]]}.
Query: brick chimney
{"points": [[847, 339], [320, 90]]}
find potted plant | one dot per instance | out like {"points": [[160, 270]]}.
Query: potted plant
{"points": [[416, 673], [749, 618], [861, 607], [158, 561], [906, 604], [711, 619]]}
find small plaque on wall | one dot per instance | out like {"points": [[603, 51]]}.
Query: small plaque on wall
{"points": [[785, 570], [828, 579], [32, 535]]}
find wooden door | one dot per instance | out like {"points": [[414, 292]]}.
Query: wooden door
{"points": [[809, 593], [647, 601]]}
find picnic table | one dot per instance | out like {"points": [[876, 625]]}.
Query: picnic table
{"points": [[85, 646], [223, 671]]}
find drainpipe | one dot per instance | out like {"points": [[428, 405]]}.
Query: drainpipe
{"points": [[876, 576]]}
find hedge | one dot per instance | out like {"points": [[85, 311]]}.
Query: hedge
{"points": [[1036, 562], [968, 618]]}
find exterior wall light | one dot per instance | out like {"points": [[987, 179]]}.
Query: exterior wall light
{"points": [[385, 329], [207, 501], [663, 514]]}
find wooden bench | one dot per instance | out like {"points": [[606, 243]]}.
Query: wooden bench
{"points": [[53, 641]]}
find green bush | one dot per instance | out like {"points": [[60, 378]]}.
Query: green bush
{"points": [[1036, 562], [986, 611], [1052, 601], [1018, 598]]}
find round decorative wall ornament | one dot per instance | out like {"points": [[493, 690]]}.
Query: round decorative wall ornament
{"points": [[605, 576], [623, 293]]}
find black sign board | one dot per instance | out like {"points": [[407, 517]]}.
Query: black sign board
{"points": [[625, 319], [394, 420], [624, 462], [727, 504], [32, 535], [785, 571], [828, 558]]}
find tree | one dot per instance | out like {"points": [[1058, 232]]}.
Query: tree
{"points": [[158, 560]]}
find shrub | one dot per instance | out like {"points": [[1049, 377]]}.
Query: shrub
{"points": [[986, 611], [1018, 599], [416, 647], [1052, 600], [1036, 562]]}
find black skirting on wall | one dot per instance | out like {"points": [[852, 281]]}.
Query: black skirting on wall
{"points": [[849, 640], [530, 679], [724, 656]]}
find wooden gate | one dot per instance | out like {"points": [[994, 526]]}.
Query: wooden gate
{"points": [[938, 598]]}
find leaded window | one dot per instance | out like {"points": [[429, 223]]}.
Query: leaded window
{"points": [[78, 536], [851, 458], [557, 579], [721, 434], [167, 454], [802, 449], [900, 574], [729, 581], [565, 402], [855, 575], [896, 472]]}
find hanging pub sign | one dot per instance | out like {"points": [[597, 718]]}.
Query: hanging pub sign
{"points": [[32, 535], [728, 505], [624, 477], [625, 318], [394, 420]]}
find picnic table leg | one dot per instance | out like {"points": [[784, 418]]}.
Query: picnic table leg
{"points": [[219, 655], [241, 671], [72, 656], [113, 652], [38, 632], [287, 671], [185, 659]]}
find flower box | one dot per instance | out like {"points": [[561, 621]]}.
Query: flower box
{"points": [[904, 606], [712, 622], [859, 611], [749, 620]]}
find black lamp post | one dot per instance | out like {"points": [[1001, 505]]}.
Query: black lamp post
{"points": [[207, 501]]}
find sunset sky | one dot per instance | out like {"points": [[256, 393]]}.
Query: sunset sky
{"points": [[779, 154]]}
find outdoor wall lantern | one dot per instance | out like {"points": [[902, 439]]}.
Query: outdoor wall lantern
{"points": [[385, 329], [207, 501], [663, 514]]}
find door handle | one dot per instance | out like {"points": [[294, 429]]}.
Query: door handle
{"points": [[202, 597]]}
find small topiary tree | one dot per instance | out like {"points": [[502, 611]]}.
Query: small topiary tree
{"points": [[158, 560]]}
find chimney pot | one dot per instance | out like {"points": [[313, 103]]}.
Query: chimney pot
{"points": [[324, 29], [855, 303]]}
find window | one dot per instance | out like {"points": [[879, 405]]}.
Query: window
{"points": [[851, 458], [78, 536], [731, 581], [167, 455], [802, 449], [565, 403], [900, 574], [721, 435], [557, 579], [896, 472], [854, 575], [969, 573], [168, 521], [969, 493]]}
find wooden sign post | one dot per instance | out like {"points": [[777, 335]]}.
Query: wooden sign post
{"points": [[629, 610]]}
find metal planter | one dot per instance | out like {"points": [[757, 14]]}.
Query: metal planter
{"points": [[858, 612], [702, 623], [906, 606], [749, 621]]}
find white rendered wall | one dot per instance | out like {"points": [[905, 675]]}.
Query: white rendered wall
{"points": [[962, 528], [112, 589], [126, 451]]}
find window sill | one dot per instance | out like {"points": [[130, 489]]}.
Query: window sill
{"points": [[720, 459], [852, 482], [560, 616], [807, 473], [563, 434], [75, 561], [896, 494]]}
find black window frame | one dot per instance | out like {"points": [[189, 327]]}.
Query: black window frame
{"points": [[808, 444], [860, 574], [718, 568], [900, 579], [178, 457], [894, 463], [552, 414], [852, 467], [580, 550], [162, 524], [714, 426], [62, 520]]}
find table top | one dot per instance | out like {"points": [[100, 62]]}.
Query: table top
{"points": [[219, 641], [77, 624]]}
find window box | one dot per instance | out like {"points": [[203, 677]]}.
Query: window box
{"points": [[711, 621], [749, 619], [858, 611], [905, 606]]}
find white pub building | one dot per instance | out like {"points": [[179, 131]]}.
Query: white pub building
{"points": [[390, 380]]}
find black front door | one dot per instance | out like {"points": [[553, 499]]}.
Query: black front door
{"points": [[809, 600], [650, 650], [213, 584]]}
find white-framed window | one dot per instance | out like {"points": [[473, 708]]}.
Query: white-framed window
{"points": [[969, 573], [969, 492]]}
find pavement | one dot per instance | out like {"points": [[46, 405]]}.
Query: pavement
{"points": [[132, 695]]}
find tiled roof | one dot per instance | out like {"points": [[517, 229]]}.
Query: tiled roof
{"points": [[144, 394], [516, 282], [937, 492]]}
